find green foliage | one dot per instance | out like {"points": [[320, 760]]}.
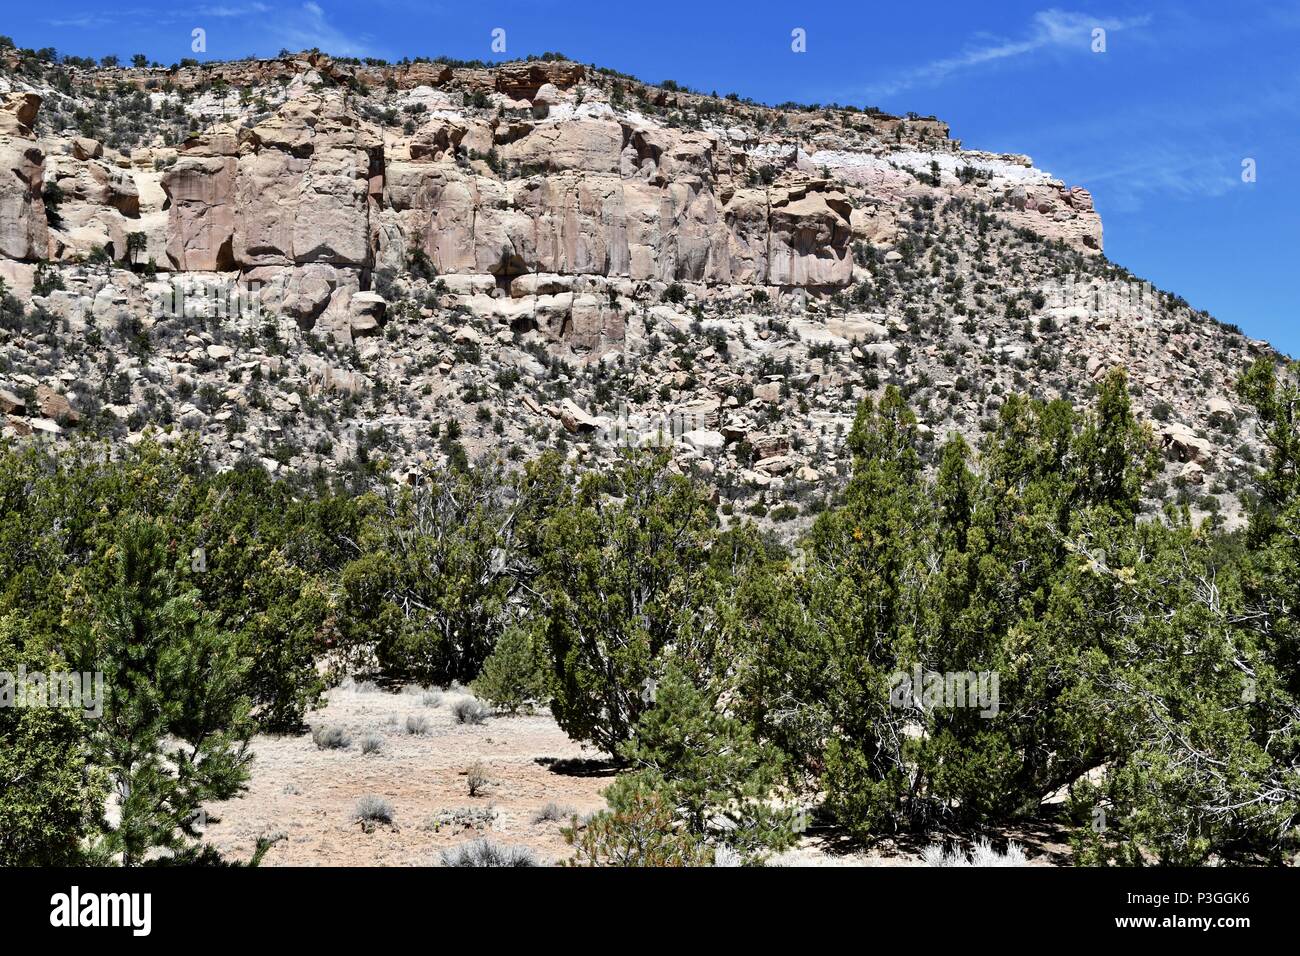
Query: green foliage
{"points": [[439, 566], [48, 797], [640, 829], [514, 675], [1147, 666], [1124, 669], [175, 728], [1202, 729], [623, 578], [710, 769]]}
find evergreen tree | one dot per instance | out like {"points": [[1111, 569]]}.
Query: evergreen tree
{"points": [[710, 768], [175, 728], [622, 579], [49, 797], [865, 574]]}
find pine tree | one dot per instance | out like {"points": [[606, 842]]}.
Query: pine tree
{"points": [[513, 676], [709, 768], [175, 728]]}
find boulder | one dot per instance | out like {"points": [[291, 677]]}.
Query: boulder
{"points": [[704, 440], [1220, 409], [11, 403], [54, 406], [576, 420], [367, 312], [83, 147], [18, 113]]}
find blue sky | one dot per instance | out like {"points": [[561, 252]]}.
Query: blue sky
{"points": [[1157, 126]]}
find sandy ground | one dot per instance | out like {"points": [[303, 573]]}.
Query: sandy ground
{"points": [[310, 795]]}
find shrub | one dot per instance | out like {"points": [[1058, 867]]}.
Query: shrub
{"points": [[982, 854], [513, 675], [372, 809], [652, 545], [331, 737], [417, 724], [372, 744], [727, 856], [553, 813], [173, 694], [463, 818], [432, 698], [47, 796], [476, 779], [469, 711], [486, 853]]}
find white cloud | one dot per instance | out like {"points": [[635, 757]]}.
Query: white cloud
{"points": [[311, 28], [89, 21], [232, 10], [1049, 29]]}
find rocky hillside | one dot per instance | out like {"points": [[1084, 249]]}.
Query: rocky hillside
{"points": [[370, 268]]}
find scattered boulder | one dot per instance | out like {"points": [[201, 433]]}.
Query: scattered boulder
{"points": [[83, 147], [704, 440], [576, 420], [366, 313]]}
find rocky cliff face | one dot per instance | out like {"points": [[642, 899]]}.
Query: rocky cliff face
{"points": [[545, 246], [574, 186]]}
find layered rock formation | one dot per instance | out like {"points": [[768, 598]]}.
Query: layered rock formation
{"points": [[546, 176], [303, 260]]}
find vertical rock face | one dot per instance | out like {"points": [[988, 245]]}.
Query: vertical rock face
{"points": [[296, 189], [498, 175], [201, 220], [600, 196], [23, 230], [809, 237], [621, 202]]}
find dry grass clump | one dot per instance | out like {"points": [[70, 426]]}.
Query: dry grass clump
{"points": [[981, 854], [483, 852], [470, 711], [331, 737]]}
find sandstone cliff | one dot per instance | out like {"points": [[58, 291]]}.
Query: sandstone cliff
{"points": [[542, 250]]}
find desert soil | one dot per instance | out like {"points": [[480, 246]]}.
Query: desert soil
{"points": [[310, 794]]}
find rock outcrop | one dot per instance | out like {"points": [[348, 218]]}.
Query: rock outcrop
{"points": [[23, 230], [305, 261]]}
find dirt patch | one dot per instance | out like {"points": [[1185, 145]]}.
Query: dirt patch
{"points": [[310, 795]]}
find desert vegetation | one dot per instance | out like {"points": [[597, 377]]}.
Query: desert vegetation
{"points": [[1145, 664]]}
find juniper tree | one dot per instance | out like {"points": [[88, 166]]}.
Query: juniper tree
{"points": [[48, 795], [440, 564], [865, 574], [622, 578]]}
